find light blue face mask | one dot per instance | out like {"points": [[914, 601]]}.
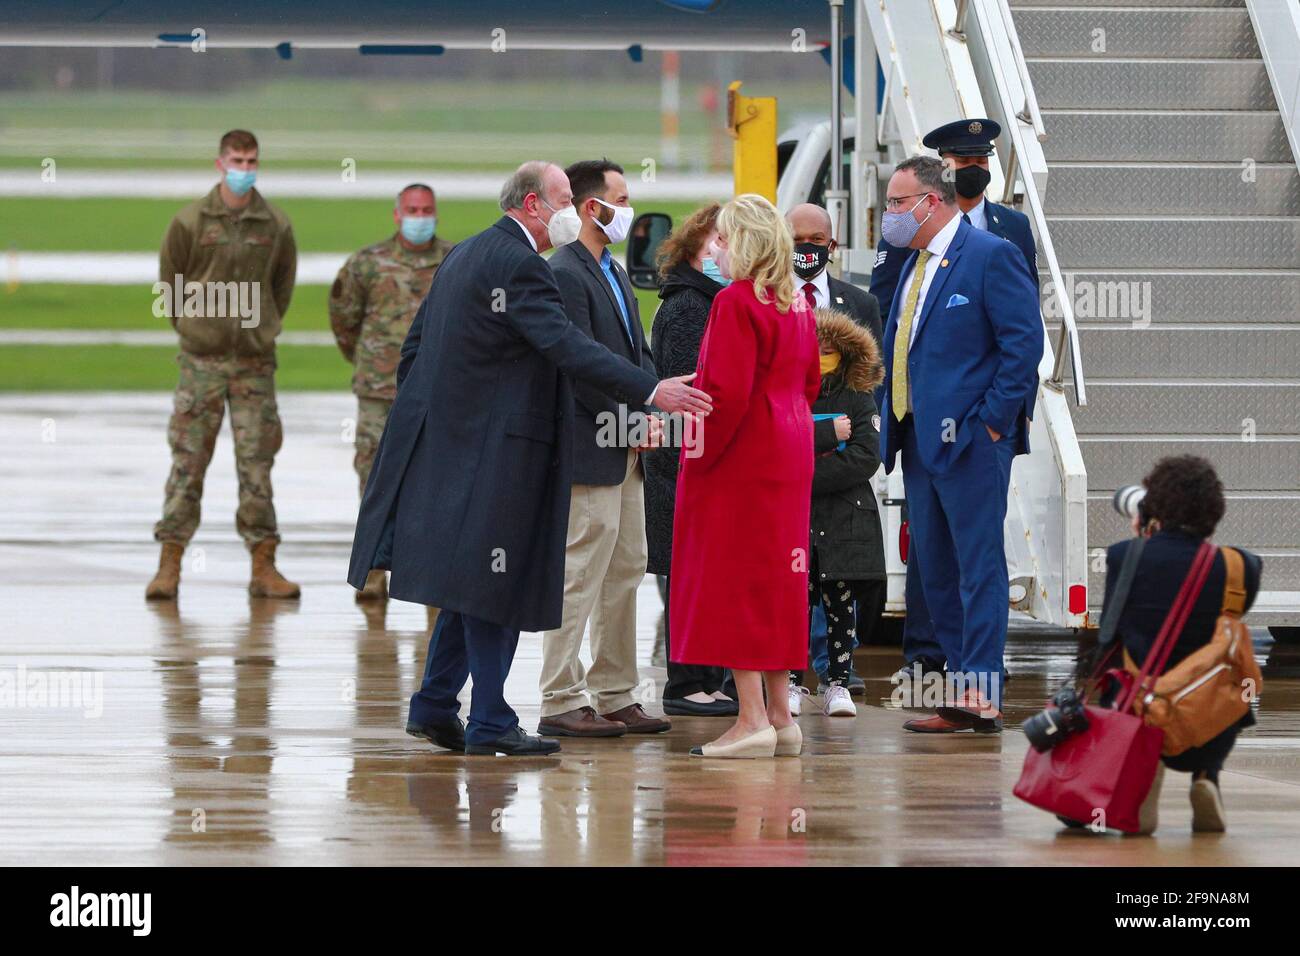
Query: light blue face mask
{"points": [[240, 181], [417, 230], [900, 228], [710, 269]]}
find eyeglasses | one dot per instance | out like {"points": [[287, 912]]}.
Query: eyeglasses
{"points": [[894, 202]]}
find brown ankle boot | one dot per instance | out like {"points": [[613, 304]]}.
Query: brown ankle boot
{"points": [[167, 581], [376, 588], [266, 580]]}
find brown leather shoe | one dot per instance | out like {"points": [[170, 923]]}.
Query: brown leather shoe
{"points": [[941, 724], [583, 722], [974, 708], [638, 721]]}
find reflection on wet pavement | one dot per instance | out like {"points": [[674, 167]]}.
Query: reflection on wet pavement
{"points": [[233, 730]]}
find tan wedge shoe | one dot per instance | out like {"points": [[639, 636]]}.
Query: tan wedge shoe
{"points": [[761, 743], [789, 741]]}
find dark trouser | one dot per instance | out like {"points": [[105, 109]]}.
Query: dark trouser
{"points": [[957, 524], [918, 630], [1208, 757], [463, 646], [685, 679], [852, 612]]}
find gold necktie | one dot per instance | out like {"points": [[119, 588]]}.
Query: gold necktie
{"points": [[903, 338]]}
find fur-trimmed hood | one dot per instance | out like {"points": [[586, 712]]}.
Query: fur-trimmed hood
{"points": [[860, 363]]}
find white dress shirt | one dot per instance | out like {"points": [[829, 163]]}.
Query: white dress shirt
{"points": [[938, 247]]}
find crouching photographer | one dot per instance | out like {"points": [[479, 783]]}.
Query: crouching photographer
{"points": [[1172, 614]]}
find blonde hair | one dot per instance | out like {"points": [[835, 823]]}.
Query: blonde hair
{"points": [[759, 248]]}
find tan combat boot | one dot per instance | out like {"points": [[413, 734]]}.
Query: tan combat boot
{"points": [[376, 588], [167, 581], [266, 580]]}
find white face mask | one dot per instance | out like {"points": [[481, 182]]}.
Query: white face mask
{"points": [[564, 225], [618, 227]]}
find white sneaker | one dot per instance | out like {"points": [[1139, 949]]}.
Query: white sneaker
{"points": [[796, 696], [837, 702]]}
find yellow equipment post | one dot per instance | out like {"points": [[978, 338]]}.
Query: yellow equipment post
{"points": [[751, 122]]}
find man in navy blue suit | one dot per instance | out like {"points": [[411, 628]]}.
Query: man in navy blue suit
{"points": [[965, 146], [962, 347], [468, 498]]}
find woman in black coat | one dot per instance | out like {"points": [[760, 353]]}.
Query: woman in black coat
{"points": [[687, 294], [1183, 505], [846, 554]]}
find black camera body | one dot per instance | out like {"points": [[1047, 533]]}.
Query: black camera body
{"points": [[1065, 718]]}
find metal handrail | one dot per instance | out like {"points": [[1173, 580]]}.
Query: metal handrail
{"points": [[1068, 341], [1030, 112]]}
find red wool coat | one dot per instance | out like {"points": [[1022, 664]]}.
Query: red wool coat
{"points": [[740, 531]]}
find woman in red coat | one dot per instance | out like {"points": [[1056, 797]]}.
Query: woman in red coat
{"points": [[739, 595]]}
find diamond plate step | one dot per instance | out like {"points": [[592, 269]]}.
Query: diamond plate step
{"points": [[1151, 84], [1136, 136], [1252, 521], [1211, 32], [1266, 464], [1238, 242], [1014, 4], [1202, 408], [1178, 189], [1190, 355], [1179, 296]]}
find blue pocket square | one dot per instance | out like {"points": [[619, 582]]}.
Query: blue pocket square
{"points": [[957, 299]]}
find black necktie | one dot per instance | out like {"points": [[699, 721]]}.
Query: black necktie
{"points": [[965, 218]]}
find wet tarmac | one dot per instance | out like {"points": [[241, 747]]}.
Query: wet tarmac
{"points": [[225, 730]]}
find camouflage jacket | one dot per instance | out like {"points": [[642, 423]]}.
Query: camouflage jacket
{"points": [[372, 302], [223, 252]]}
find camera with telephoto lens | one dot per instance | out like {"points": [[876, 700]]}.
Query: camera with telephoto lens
{"points": [[1130, 501], [1065, 718]]}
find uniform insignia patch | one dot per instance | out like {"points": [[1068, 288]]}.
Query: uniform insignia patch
{"points": [[975, 127], [881, 257], [875, 422]]}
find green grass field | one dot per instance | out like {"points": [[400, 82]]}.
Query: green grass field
{"points": [[319, 225], [136, 225]]}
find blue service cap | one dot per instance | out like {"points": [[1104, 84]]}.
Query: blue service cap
{"points": [[968, 137]]}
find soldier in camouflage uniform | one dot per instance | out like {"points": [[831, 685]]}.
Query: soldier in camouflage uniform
{"points": [[373, 300], [227, 271]]}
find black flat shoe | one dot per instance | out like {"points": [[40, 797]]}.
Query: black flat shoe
{"points": [[449, 736], [681, 707], [516, 743]]}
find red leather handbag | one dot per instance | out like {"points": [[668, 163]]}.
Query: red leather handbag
{"points": [[1102, 774]]}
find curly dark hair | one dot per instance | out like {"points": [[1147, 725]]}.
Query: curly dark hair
{"points": [[683, 243], [1184, 492]]}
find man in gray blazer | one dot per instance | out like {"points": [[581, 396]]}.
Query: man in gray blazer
{"points": [[605, 555]]}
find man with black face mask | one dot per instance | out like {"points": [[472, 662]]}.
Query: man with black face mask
{"points": [[965, 147], [810, 225]]}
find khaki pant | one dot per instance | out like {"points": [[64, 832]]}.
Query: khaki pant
{"points": [[207, 384], [372, 415], [604, 562]]}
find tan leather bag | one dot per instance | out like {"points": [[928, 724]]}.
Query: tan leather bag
{"points": [[1210, 689]]}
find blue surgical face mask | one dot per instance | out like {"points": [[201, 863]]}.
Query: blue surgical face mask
{"points": [[240, 181], [417, 230], [710, 269], [900, 228]]}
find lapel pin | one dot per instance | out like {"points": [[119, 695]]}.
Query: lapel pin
{"points": [[943, 263]]}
